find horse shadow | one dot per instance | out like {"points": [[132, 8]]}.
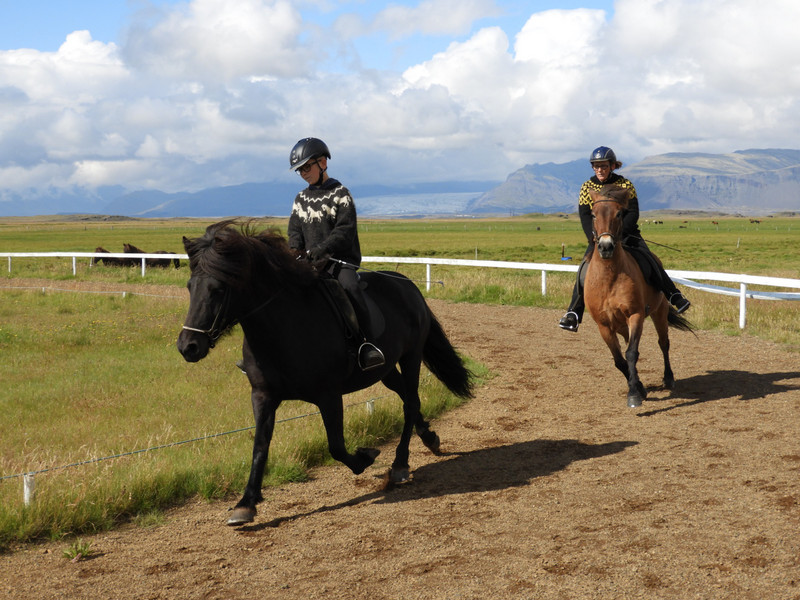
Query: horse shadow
{"points": [[486, 469], [725, 385]]}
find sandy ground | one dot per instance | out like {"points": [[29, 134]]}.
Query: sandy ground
{"points": [[549, 487]]}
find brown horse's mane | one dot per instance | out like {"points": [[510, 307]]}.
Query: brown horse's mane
{"points": [[237, 254], [612, 193]]}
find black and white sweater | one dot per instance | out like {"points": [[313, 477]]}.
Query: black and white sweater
{"points": [[325, 217]]}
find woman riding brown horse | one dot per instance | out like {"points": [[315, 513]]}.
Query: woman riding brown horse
{"points": [[618, 296]]}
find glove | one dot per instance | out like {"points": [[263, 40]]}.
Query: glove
{"points": [[317, 253]]}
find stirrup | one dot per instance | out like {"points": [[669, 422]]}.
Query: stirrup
{"points": [[569, 321], [370, 356], [681, 304]]}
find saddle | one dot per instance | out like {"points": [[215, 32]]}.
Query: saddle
{"points": [[341, 305], [647, 263]]}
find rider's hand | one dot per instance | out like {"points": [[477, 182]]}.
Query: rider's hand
{"points": [[316, 253]]}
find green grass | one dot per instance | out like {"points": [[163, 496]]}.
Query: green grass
{"points": [[87, 377]]}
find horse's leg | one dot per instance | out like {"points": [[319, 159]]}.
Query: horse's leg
{"points": [[612, 341], [406, 386], [636, 391], [659, 317], [264, 414], [332, 411]]}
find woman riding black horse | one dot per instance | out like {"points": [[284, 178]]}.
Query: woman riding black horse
{"points": [[295, 344]]}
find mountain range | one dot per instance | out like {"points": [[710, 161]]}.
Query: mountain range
{"points": [[751, 182]]}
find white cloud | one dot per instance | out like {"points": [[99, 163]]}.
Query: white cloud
{"points": [[437, 17], [221, 41], [215, 92]]}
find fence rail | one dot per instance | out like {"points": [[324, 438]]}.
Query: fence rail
{"points": [[688, 278]]}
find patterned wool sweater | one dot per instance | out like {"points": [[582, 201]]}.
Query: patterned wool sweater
{"points": [[325, 217], [630, 222]]}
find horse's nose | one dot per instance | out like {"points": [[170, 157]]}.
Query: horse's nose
{"points": [[191, 348], [605, 245]]}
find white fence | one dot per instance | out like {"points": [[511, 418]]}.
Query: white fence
{"points": [[687, 278]]}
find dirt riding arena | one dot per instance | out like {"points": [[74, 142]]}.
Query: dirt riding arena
{"points": [[549, 488]]}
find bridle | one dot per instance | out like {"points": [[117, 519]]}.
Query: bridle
{"points": [[608, 233], [216, 330]]}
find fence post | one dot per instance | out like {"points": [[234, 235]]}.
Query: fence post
{"points": [[9, 264], [371, 406], [29, 487], [74, 266], [742, 304], [427, 277], [143, 261], [544, 283]]}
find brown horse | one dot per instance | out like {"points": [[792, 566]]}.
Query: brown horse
{"points": [[152, 262], [110, 261], [619, 297]]}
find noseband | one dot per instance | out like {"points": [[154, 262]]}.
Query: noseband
{"points": [[215, 331]]}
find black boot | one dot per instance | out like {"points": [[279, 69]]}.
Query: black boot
{"points": [[679, 301], [569, 321], [369, 355], [574, 315]]}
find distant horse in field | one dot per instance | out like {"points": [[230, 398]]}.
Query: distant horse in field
{"points": [[619, 297], [110, 261], [295, 343], [153, 262]]}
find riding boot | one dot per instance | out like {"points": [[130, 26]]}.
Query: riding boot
{"points": [[673, 294], [369, 355], [574, 314]]}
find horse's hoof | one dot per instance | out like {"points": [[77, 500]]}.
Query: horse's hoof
{"points": [[634, 401], [432, 442], [241, 515], [399, 476], [368, 453]]}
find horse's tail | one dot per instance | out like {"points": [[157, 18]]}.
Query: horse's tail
{"points": [[678, 322], [444, 362]]}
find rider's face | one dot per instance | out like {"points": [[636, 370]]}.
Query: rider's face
{"points": [[602, 170], [311, 170]]}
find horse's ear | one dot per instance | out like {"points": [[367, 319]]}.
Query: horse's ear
{"points": [[186, 243]]}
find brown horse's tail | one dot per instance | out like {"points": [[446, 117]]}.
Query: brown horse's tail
{"points": [[679, 322]]}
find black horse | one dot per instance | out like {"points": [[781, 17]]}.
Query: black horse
{"points": [[295, 344]]}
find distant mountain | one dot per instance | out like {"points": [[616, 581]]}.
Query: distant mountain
{"points": [[275, 199], [746, 181]]}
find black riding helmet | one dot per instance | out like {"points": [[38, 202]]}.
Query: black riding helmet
{"points": [[603, 154], [306, 150]]}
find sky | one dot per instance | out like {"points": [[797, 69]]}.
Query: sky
{"points": [[185, 95]]}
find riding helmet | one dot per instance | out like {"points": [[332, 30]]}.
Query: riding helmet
{"points": [[603, 153], [306, 150]]}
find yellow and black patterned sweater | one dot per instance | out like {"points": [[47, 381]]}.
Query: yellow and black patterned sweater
{"points": [[630, 222]]}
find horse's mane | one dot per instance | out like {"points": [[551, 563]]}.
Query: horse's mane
{"points": [[612, 192], [237, 254]]}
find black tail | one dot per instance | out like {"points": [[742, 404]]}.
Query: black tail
{"points": [[444, 362], [678, 322]]}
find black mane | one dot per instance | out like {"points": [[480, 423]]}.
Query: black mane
{"points": [[237, 254]]}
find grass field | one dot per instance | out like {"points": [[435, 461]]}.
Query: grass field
{"points": [[87, 376]]}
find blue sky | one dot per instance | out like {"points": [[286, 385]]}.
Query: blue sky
{"points": [[161, 94]]}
